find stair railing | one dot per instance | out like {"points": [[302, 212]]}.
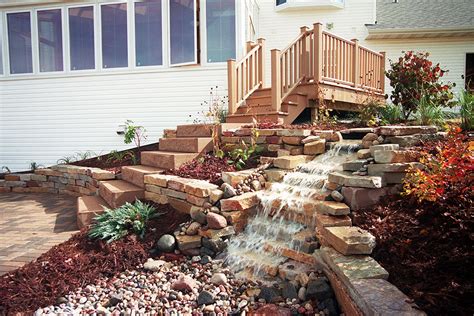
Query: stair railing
{"points": [[246, 75], [322, 57]]}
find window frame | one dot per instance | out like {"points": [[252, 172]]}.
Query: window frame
{"points": [[7, 69], [99, 35], [96, 26], [36, 48], [195, 62], [2, 47], [164, 37]]}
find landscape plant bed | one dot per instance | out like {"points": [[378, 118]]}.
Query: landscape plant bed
{"points": [[427, 251], [336, 126], [78, 262], [108, 163], [208, 168]]}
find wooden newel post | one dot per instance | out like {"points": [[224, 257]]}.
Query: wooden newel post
{"points": [[232, 86], [318, 52], [304, 53], [261, 62], [276, 80], [382, 73], [249, 46], [356, 63]]}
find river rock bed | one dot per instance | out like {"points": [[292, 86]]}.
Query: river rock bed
{"points": [[196, 286]]}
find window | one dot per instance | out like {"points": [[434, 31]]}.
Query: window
{"points": [[50, 40], [1, 46], [19, 42], [148, 33], [220, 28], [469, 78], [114, 35], [183, 32], [81, 38], [278, 2]]}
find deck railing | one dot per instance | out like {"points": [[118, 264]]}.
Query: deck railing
{"points": [[315, 56], [247, 75]]}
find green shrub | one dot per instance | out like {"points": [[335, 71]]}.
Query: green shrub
{"points": [[129, 218], [466, 102], [430, 113], [369, 111], [391, 114]]}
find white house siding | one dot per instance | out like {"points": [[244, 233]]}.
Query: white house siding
{"points": [[280, 28], [450, 53], [43, 120]]}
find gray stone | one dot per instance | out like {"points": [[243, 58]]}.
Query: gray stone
{"points": [[289, 290], [154, 265], [302, 293], [380, 168], [406, 130], [319, 289], [354, 165], [383, 147], [229, 191], [198, 215], [216, 245], [205, 298], [166, 243], [206, 259], [193, 229], [414, 140], [269, 294], [348, 180], [219, 279], [349, 240]]}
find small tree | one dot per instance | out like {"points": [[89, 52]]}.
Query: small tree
{"points": [[134, 133], [412, 77]]}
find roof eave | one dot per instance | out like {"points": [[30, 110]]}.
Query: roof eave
{"points": [[394, 33]]}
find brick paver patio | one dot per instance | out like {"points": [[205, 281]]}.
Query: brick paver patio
{"points": [[31, 223]]}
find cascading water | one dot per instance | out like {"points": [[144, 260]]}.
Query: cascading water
{"points": [[271, 224]]}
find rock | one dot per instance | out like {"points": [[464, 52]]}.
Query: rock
{"points": [[114, 300], [354, 165], [193, 229], [186, 242], [205, 259], [302, 294], [205, 298], [414, 140], [289, 162], [383, 147], [184, 283], [319, 289], [335, 137], [294, 132], [216, 245], [229, 191], [269, 294], [195, 259], [292, 140], [256, 185], [406, 130], [315, 148], [199, 216], [348, 180], [270, 309], [380, 168], [396, 156], [166, 243], [337, 196], [370, 137], [240, 203], [310, 139], [330, 305], [275, 175], [302, 278], [215, 221], [364, 154], [155, 265], [215, 195], [349, 240], [362, 198], [219, 278], [289, 290]]}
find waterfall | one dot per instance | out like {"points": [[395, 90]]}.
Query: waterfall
{"points": [[272, 224]]}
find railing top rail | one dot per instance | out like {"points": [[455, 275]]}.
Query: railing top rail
{"points": [[250, 53], [339, 38], [370, 51], [292, 43]]}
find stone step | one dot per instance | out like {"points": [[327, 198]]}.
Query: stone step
{"points": [[89, 207], [349, 240], [347, 179], [118, 192], [194, 130], [136, 174], [281, 249], [186, 144], [291, 162], [264, 265], [166, 159]]}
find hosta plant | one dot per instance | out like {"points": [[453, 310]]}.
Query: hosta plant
{"points": [[127, 219]]}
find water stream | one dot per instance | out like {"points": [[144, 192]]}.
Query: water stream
{"points": [[274, 223]]}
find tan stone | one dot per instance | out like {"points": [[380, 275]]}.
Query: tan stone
{"points": [[273, 148], [89, 207], [173, 193], [383, 147], [178, 183], [323, 220], [48, 172], [194, 130], [136, 174], [239, 219], [234, 177], [12, 177], [5, 189], [118, 192], [364, 154], [199, 188], [377, 169], [406, 130], [215, 195], [240, 202], [315, 148], [395, 156], [153, 188], [362, 198], [159, 179], [181, 205], [292, 140], [217, 233], [294, 132], [294, 150], [310, 139], [349, 180], [99, 174], [156, 197], [332, 208], [186, 242], [275, 175], [199, 201], [188, 144], [291, 254], [289, 162], [349, 240], [283, 152]]}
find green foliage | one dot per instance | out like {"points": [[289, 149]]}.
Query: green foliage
{"points": [[466, 103], [216, 111], [117, 156], [5, 169], [134, 133], [66, 160], [390, 114], [34, 166], [414, 76], [369, 111], [127, 219], [240, 156], [430, 113]]}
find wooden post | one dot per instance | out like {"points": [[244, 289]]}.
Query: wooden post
{"points": [[276, 80], [382, 74], [356, 63], [232, 86], [304, 54], [261, 62], [318, 52], [249, 46]]}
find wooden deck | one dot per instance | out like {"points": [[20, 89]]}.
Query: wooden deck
{"points": [[316, 67]]}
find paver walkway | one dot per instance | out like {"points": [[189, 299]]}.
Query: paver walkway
{"points": [[32, 223]]}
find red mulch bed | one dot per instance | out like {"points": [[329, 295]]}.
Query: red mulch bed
{"points": [[77, 262], [105, 163], [208, 168], [427, 250], [336, 126]]}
